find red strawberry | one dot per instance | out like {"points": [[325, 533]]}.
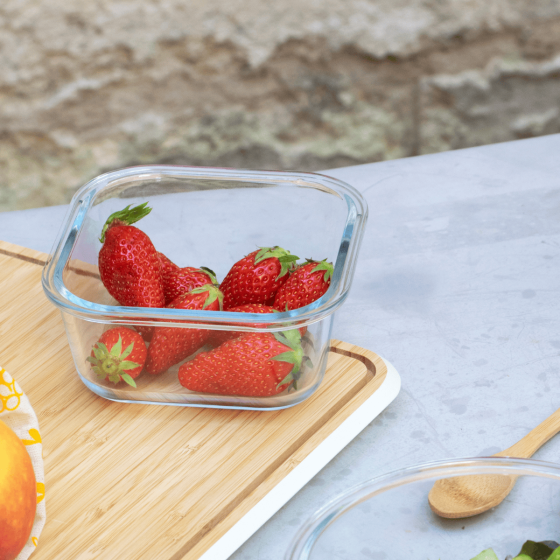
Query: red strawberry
{"points": [[145, 331], [306, 284], [257, 277], [109, 360], [128, 262], [179, 281], [171, 345], [219, 337], [184, 280], [252, 365], [166, 265]]}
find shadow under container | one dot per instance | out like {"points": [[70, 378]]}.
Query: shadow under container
{"points": [[389, 517], [206, 217]]}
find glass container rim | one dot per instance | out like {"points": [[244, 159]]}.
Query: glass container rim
{"points": [[344, 265], [309, 532]]}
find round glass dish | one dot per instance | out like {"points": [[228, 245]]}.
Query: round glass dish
{"points": [[389, 517]]}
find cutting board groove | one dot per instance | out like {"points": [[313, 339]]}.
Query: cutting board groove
{"points": [[144, 481]]}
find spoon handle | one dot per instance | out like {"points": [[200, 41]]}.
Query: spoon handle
{"points": [[537, 437]]}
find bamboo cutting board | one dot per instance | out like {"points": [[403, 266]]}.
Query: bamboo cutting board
{"points": [[145, 481]]}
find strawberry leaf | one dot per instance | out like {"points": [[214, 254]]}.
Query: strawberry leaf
{"points": [[127, 379], [327, 267], [286, 357], [127, 351], [210, 273], [128, 365], [114, 378], [263, 254], [117, 348], [214, 294], [92, 360], [98, 353], [127, 216], [286, 264], [291, 338], [288, 379], [212, 297], [103, 348], [292, 378], [281, 254]]}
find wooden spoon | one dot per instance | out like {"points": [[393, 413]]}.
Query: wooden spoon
{"points": [[465, 496]]}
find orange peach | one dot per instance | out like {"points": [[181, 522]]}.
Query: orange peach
{"points": [[18, 494]]}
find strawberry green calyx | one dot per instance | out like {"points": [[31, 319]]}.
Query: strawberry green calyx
{"points": [[127, 216], [210, 273], [292, 339], [214, 293], [327, 267], [285, 258], [113, 363]]}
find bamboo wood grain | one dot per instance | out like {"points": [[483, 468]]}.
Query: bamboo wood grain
{"points": [[535, 439], [145, 481], [466, 496]]}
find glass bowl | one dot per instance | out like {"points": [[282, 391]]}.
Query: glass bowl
{"points": [[388, 517], [206, 217]]}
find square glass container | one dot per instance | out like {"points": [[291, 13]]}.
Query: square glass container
{"points": [[206, 217]]}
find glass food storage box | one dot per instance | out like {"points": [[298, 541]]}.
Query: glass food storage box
{"points": [[212, 218]]}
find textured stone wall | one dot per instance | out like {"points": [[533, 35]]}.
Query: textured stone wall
{"points": [[89, 86]]}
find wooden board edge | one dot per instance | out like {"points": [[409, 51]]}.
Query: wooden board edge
{"points": [[319, 457], [374, 364], [286, 461], [39, 258], [23, 253], [376, 373]]}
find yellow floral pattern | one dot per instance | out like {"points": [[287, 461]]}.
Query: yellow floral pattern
{"points": [[40, 492], [16, 411], [10, 392], [35, 437]]}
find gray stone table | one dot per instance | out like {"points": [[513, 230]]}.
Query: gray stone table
{"points": [[457, 285]]}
